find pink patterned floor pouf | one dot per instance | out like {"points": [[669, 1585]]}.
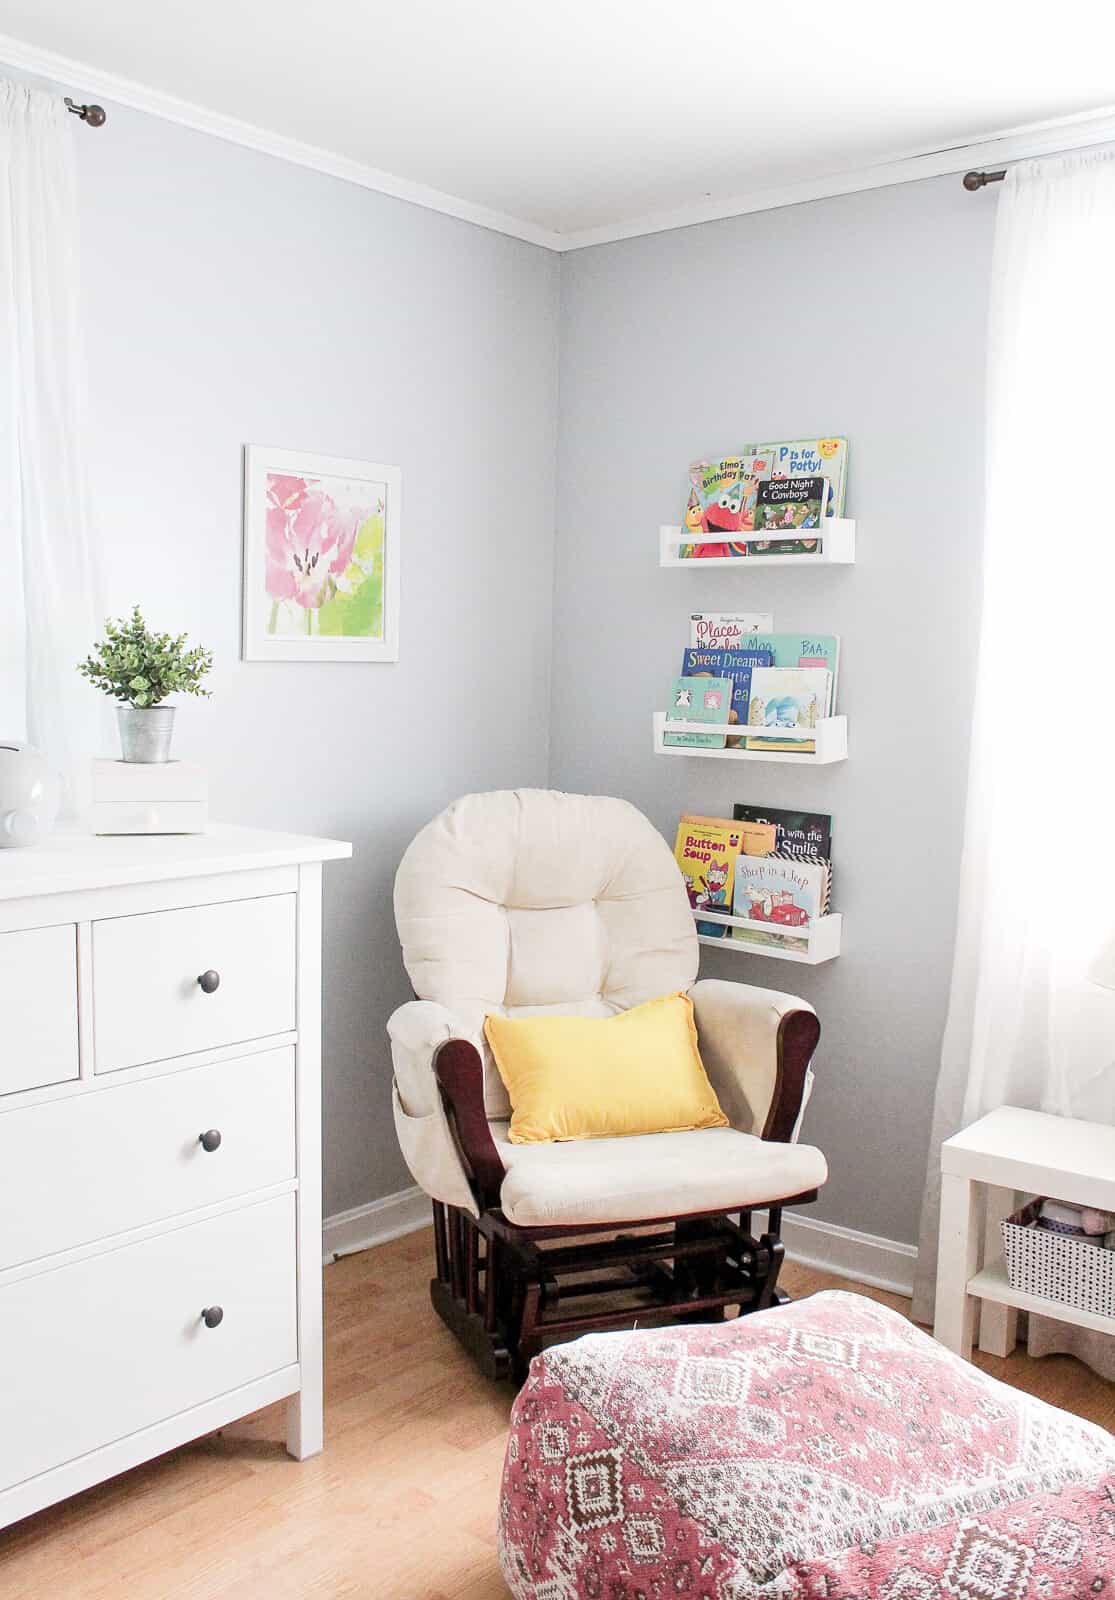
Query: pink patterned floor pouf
{"points": [[826, 1450]]}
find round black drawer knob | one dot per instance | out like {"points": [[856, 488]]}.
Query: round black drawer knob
{"points": [[209, 982], [213, 1316], [210, 1140]]}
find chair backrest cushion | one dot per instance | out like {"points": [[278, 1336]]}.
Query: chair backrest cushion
{"points": [[527, 900]]}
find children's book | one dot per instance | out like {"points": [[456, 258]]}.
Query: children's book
{"points": [[723, 494], [697, 552], [789, 513], [810, 458], [758, 838], [706, 850], [786, 698], [720, 516], [713, 630], [755, 838], [799, 836], [695, 699], [803, 650], [770, 892], [733, 664]]}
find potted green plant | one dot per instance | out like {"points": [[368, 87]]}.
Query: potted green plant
{"points": [[140, 668]]}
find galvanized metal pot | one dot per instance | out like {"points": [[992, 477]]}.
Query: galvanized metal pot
{"points": [[145, 732]]}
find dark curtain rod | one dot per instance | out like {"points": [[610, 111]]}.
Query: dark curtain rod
{"points": [[92, 116], [977, 180]]}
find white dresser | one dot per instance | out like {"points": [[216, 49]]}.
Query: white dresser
{"points": [[160, 1160]]}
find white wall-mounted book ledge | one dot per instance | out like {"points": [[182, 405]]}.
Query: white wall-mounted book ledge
{"points": [[775, 940], [830, 737], [838, 549]]}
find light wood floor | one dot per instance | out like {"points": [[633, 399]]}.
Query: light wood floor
{"points": [[400, 1506]]}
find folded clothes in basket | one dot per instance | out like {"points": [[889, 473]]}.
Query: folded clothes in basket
{"points": [[1057, 1216], [1061, 1216]]}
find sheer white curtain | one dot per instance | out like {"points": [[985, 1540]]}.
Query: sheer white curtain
{"points": [[1026, 1026], [49, 608]]}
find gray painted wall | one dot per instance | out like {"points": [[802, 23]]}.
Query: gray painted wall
{"points": [[233, 298], [865, 316]]}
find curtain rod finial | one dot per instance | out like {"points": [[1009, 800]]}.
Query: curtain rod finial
{"points": [[92, 116], [976, 180]]}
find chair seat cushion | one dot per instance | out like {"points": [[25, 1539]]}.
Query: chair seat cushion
{"points": [[650, 1175], [827, 1448]]}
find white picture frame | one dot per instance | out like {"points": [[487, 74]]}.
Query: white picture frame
{"points": [[320, 557]]}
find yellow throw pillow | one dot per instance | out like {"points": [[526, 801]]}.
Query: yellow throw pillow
{"points": [[599, 1077]]}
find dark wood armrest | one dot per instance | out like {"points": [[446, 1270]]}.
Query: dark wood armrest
{"points": [[798, 1033], [460, 1078]]}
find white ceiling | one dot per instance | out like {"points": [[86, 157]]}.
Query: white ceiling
{"points": [[571, 115]]}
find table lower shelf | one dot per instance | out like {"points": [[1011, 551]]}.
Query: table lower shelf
{"points": [[992, 1284]]}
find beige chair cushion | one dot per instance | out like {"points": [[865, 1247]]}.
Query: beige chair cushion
{"points": [[528, 900], [650, 1175]]}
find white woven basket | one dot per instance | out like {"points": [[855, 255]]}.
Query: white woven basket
{"points": [[1073, 1271]]}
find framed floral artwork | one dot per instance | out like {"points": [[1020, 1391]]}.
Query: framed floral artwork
{"points": [[321, 558]]}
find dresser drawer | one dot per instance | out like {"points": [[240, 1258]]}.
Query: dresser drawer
{"points": [[112, 1159], [99, 1349], [38, 1007], [148, 1001]]}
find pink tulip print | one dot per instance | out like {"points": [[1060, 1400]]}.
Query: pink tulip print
{"points": [[324, 556]]}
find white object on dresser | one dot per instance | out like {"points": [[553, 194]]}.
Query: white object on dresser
{"points": [[982, 1170], [148, 797], [160, 1166]]}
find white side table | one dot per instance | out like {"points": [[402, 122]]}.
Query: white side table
{"points": [[982, 1169]]}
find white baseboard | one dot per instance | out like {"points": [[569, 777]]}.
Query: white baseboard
{"points": [[882, 1263], [376, 1223]]}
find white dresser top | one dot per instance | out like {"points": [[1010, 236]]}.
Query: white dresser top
{"points": [[71, 860]]}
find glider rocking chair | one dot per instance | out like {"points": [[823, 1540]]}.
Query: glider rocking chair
{"points": [[526, 902]]}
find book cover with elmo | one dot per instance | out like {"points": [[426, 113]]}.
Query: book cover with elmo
{"points": [[723, 494]]}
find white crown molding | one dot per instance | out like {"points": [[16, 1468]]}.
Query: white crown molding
{"points": [[1016, 144], [87, 83]]}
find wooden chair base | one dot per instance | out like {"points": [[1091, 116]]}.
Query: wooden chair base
{"points": [[505, 1291]]}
